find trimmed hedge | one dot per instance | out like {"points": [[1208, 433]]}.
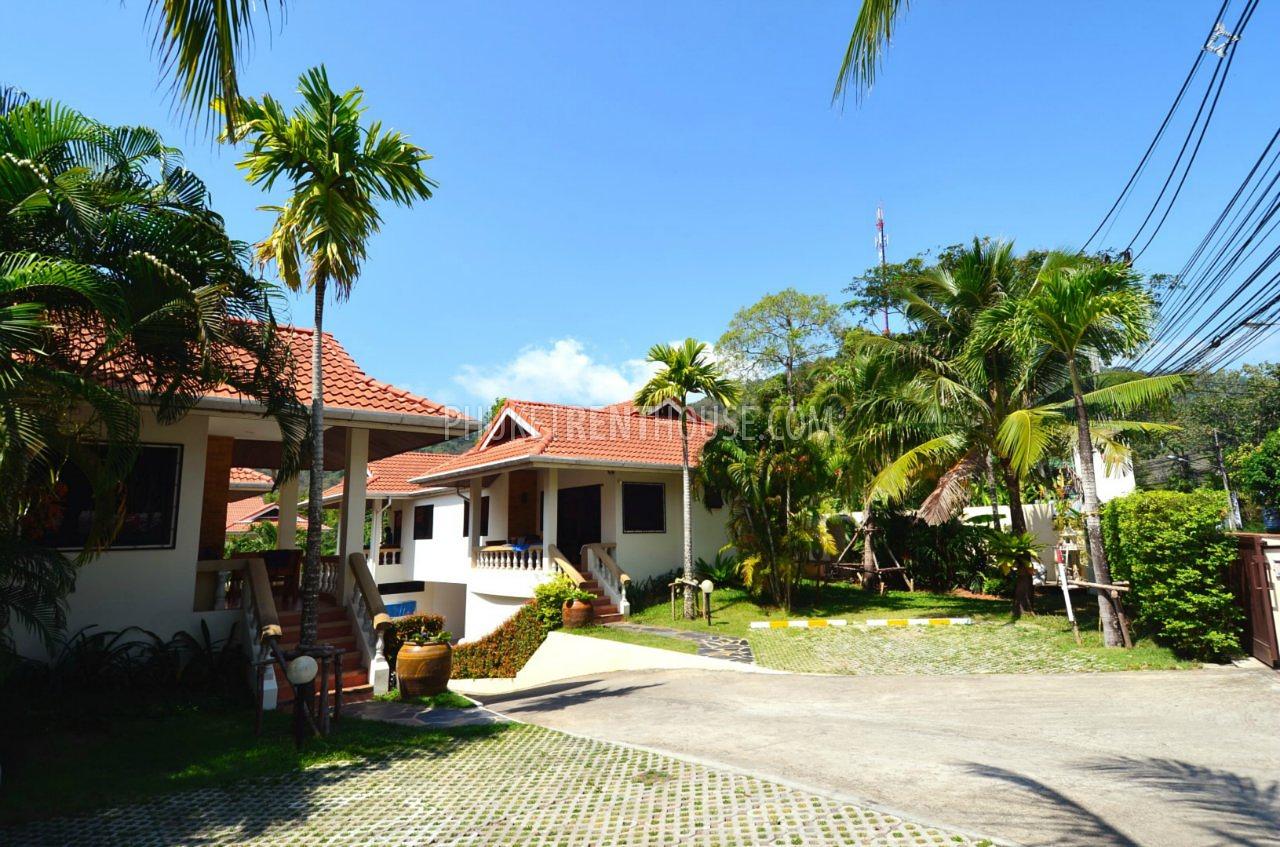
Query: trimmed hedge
{"points": [[502, 652], [1172, 548]]}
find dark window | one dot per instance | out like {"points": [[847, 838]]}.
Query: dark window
{"points": [[644, 507], [424, 521], [712, 499], [150, 503], [484, 517]]}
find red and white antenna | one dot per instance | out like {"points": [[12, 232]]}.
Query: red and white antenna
{"points": [[880, 250]]}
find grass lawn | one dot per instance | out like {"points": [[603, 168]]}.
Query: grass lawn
{"points": [[443, 700], [644, 639], [993, 644], [70, 772]]}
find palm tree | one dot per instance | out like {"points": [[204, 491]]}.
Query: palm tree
{"points": [[200, 43], [871, 33], [686, 370], [1088, 313], [338, 169], [111, 264]]}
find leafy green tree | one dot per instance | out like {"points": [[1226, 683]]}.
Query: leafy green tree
{"points": [[118, 286], [686, 370], [781, 333], [338, 169], [1088, 312]]}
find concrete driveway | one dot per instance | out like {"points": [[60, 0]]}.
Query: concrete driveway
{"points": [[1154, 758]]}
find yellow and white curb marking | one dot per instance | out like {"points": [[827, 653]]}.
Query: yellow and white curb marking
{"points": [[815, 623], [820, 623], [920, 622]]}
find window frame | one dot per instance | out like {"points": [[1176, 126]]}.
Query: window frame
{"points": [[178, 451], [662, 513], [484, 517], [430, 511]]}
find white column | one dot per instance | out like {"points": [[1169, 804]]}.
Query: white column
{"points": [[354, 480], [287, 509], [477, 495], [375, 531], [550, 508]]}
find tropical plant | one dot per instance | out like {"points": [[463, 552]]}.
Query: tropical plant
{"points": [[549, 598], [118, 285], [1087, 313], [724, 569], [774, 476], [686, 370], [503, 652], [1015, 553], [338, 169], [872, 30], [1172, 549], [1257, 469]]}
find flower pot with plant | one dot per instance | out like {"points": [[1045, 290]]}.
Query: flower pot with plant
{"points": [[424, 663], [577, 611]]}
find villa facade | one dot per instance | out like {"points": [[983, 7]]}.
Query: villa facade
{"points": [[548, 489]]}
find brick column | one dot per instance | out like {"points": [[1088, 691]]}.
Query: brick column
{"points": [[213, 505]]}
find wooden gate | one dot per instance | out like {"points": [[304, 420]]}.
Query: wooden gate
{"points": [[1254, 592]]}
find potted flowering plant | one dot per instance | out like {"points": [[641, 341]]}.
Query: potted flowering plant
{"points": [[576, 610], [424, 663]]}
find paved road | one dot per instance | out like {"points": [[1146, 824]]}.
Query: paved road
{"points": [[1156, 758]]}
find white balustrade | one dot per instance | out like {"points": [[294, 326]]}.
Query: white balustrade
{"points": [[612, 579], [505, 557]]}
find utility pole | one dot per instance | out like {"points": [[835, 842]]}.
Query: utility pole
{"points": [[884, 275], [1233, 516]]}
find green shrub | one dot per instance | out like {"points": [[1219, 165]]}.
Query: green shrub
{"points": [[1257, 469], [549, 599], [723, 570], [652, 591], [1173, 550], [504, 651]]}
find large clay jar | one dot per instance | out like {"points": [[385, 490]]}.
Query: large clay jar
{"points": [[423, 669], [575, 613]]}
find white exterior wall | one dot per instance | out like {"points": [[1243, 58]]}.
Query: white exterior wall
{"points": [[152, 589], [647, 554], [1039, 517], [492, 596]]}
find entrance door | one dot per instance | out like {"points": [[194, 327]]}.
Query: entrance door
{"points": [[577, 520], [1256, 582]]}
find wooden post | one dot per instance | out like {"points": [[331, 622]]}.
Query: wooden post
{"points": [[287, 509]]}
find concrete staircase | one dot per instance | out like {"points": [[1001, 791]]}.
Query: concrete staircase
{"points": [[603, 609], [334, 628]]}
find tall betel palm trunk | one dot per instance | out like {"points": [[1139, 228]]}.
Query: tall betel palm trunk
{"points": [[685, 370], [1112, 634], [315, 480], [339, 168], [687, 512]]}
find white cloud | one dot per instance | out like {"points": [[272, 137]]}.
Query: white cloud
{"points": [[562, 372]]}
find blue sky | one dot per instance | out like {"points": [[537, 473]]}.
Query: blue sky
{"points": [[616, 174]]}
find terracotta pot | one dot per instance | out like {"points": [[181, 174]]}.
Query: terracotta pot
{"points": [[423, 669], [575, 613]]}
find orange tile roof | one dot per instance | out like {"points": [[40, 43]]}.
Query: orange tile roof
{"points": [[346, 386], [390, 476], [614, 434], [242, 514], [249, 477]]}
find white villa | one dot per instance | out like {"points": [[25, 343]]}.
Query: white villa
{"points": [[593, 493], [165, 570]]}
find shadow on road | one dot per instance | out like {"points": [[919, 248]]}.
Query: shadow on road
{"points": [[549, 698], [1063, 820], [1236, 809]]}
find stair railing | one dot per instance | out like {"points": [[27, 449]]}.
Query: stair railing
{"points": [[364, 602], [558, 563], [262, 631], [613, 579]]}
